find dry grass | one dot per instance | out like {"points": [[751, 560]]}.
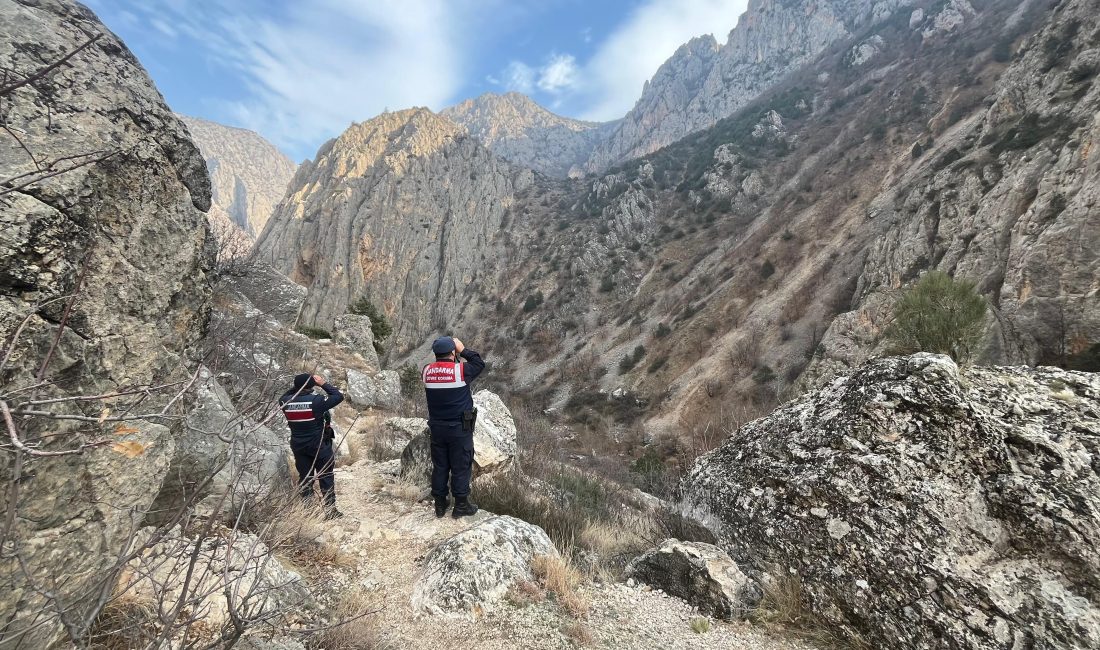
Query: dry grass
{"points": [[579, 633], [784, 605], [355, 451], [525, 593], [405, 491], [561, 579], [355, 627], [291, 528], [124, 622]]}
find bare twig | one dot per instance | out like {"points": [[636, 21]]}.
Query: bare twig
{"points": [[8, 89]]}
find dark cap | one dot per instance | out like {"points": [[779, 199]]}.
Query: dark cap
{"points": [[304, 381], [443, 345]]}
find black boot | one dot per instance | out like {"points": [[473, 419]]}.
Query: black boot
{"points": [[464, 507], [441, 504], [332, 513]]}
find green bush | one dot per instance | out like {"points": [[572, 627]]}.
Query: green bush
{"points": [[410, 380], [938, 314], [379, 325], [532, 302], [663, 330], [313, 332], [1087, 360]]}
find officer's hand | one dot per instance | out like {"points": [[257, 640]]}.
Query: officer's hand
{"points": [[458, 345], [319, 380]]}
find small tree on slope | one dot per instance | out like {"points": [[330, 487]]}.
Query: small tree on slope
{"points": [[938, 314]]}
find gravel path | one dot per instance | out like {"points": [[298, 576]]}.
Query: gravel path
{"points": [[390, 534]]}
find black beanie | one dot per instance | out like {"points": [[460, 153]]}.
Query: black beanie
{"points": [[303, 381]]}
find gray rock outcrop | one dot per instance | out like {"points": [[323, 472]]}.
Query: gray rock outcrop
{"points": [[381, 389], [232, 575], [472, 571], [494, 443], [247, 460], [354, 332], [916, 502], [702, 574], [515, 128], [123, 231]]}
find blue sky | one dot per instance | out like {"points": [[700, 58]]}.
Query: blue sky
{"points": [[300, 71]]}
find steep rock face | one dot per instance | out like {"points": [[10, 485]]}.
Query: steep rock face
{"points": [[128, 238], [704, 82], [405, 209], [918, 502], [517, 129], [1006, 200], [248, 174]]}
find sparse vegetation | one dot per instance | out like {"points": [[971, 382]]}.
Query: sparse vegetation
{"points": [[700, 625], [938, 314], [411, 386], [313, 332]]}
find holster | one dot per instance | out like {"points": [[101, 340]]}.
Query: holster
{"points": [[469, 418]]}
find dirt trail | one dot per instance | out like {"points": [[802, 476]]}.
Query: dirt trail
{"points": [[389, 534]]}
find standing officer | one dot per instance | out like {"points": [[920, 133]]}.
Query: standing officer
{"points": [[451, 416], [308, 414]]}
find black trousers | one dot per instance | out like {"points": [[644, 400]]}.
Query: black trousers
{"points": [[316, 462], [452, 457]]}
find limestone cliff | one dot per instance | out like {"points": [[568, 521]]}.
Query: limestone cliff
{"points": [[248, 174], [517, 129], [704, 82], [104, 288], [404, 209]]}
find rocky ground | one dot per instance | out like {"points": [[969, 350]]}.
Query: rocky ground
{"points": [[389, 533]]}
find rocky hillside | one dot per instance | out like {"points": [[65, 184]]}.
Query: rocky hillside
{"points": [[517, 129], [248, 174], [757, 254], [104, 294], [405, 210], [704, 82]]}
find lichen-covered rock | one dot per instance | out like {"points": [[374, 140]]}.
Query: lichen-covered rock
{"points": [[702, 574], [918, 503], [379, 390], [494, 442], [248, 460], [472, 571], [397, 433], [126, 237]]}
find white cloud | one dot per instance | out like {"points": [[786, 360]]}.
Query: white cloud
{"points": [[517, 76], [612, 80], [311, 67], [559, 74]]}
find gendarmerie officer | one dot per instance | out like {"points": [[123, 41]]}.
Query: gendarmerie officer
{"points": [[308, 415], [451, 416]]}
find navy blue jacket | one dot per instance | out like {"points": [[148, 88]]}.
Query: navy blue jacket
{"points": [[447, 386], [305, 413]]}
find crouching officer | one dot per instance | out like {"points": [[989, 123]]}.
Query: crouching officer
{"points": [[308, 416], [451, 416]]}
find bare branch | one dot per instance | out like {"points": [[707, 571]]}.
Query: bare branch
{"points": [[8, 89]]}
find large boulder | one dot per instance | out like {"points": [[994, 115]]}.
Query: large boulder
{"points": [[396, 433], [119, 250], [378, 390], [922, 504], [702, 574], [494, 443], [229, 569], [248, 461], [472, 571], [353, 331]]}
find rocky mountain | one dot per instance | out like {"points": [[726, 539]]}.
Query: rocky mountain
{"points": [[517, 129], [704, 82], [104, 295], [248, 174], [405, 210]]}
